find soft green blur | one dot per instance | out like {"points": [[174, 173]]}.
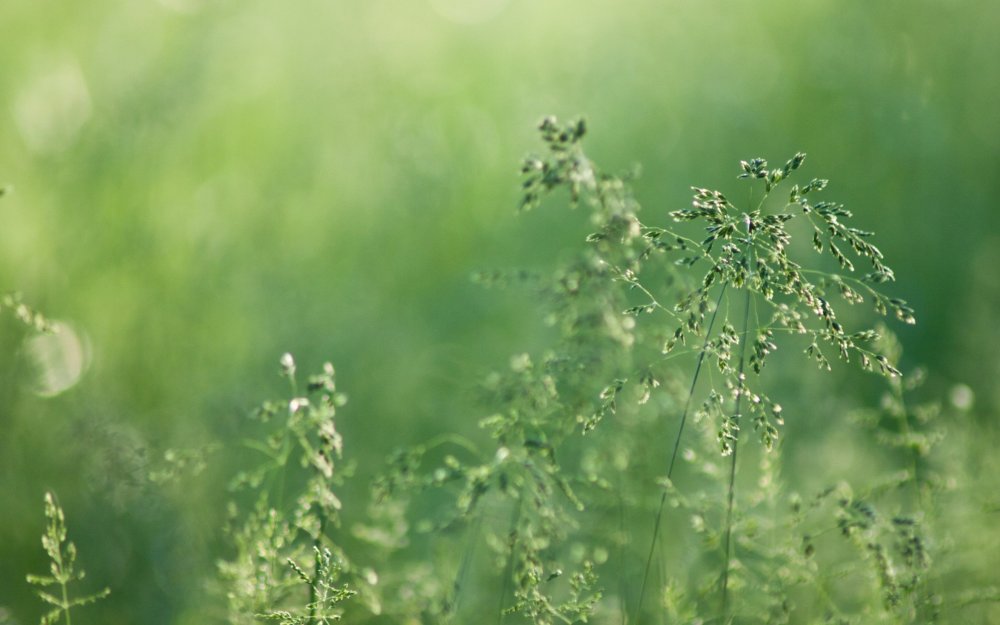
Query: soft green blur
{"points": [[199, 186]]}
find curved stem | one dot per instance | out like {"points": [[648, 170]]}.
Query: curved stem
{"points": [[673, 454], [463, 568], [449, 438]]}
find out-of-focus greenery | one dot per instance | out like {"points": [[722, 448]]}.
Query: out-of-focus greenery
{"points": [[197, 186]]}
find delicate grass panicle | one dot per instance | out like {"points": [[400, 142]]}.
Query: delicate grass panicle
{"points": [[744, 249], [12, 303], [286, 568], [62, 569], [635, 412], [627, 307]]}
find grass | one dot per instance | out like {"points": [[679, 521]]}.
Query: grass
{"points": [[544, 515], [62, 569]]}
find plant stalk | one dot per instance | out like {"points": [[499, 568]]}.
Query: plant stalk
{"points": [[509, 571], [472, 532], [316, 566], [732, 465], [673, 454]]}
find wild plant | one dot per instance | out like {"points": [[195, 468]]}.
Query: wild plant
{"points": [[62, 568], [524, 484], [286, 568], [13, 304], [751, 293], [746, 249], [520, 497], [637, 410], [864, 553], [898, 523]]}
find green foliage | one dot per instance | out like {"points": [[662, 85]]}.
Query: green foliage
{"points": [[746, 249], [202, 185], [285, 534], [568, 462], [325, 593], [543, 405], [62, 572]]}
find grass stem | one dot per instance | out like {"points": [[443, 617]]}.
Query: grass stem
{"points": [[732, 465], [509, 571], [673, 454], [472, 534]]}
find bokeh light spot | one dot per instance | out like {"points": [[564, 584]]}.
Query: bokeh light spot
{"points": [[468, 11], [52, 108], [60, 358]]}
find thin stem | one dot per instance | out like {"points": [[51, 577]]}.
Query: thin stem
{"points": [[463, 568], [694, 381], [62, 575], [316, 568], [904, 421], [673, 454], [509, 571], [453, 439], [286, 444], [922, 495], [634, 283], [695, 245], [732, 466], [65, 600], [623, 582]]}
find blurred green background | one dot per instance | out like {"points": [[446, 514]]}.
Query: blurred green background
{"points": [[197, 186]]}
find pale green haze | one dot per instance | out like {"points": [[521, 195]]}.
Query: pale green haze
{"points": [[195, 187]]}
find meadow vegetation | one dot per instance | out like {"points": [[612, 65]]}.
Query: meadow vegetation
{"points": [[641, 468]]}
